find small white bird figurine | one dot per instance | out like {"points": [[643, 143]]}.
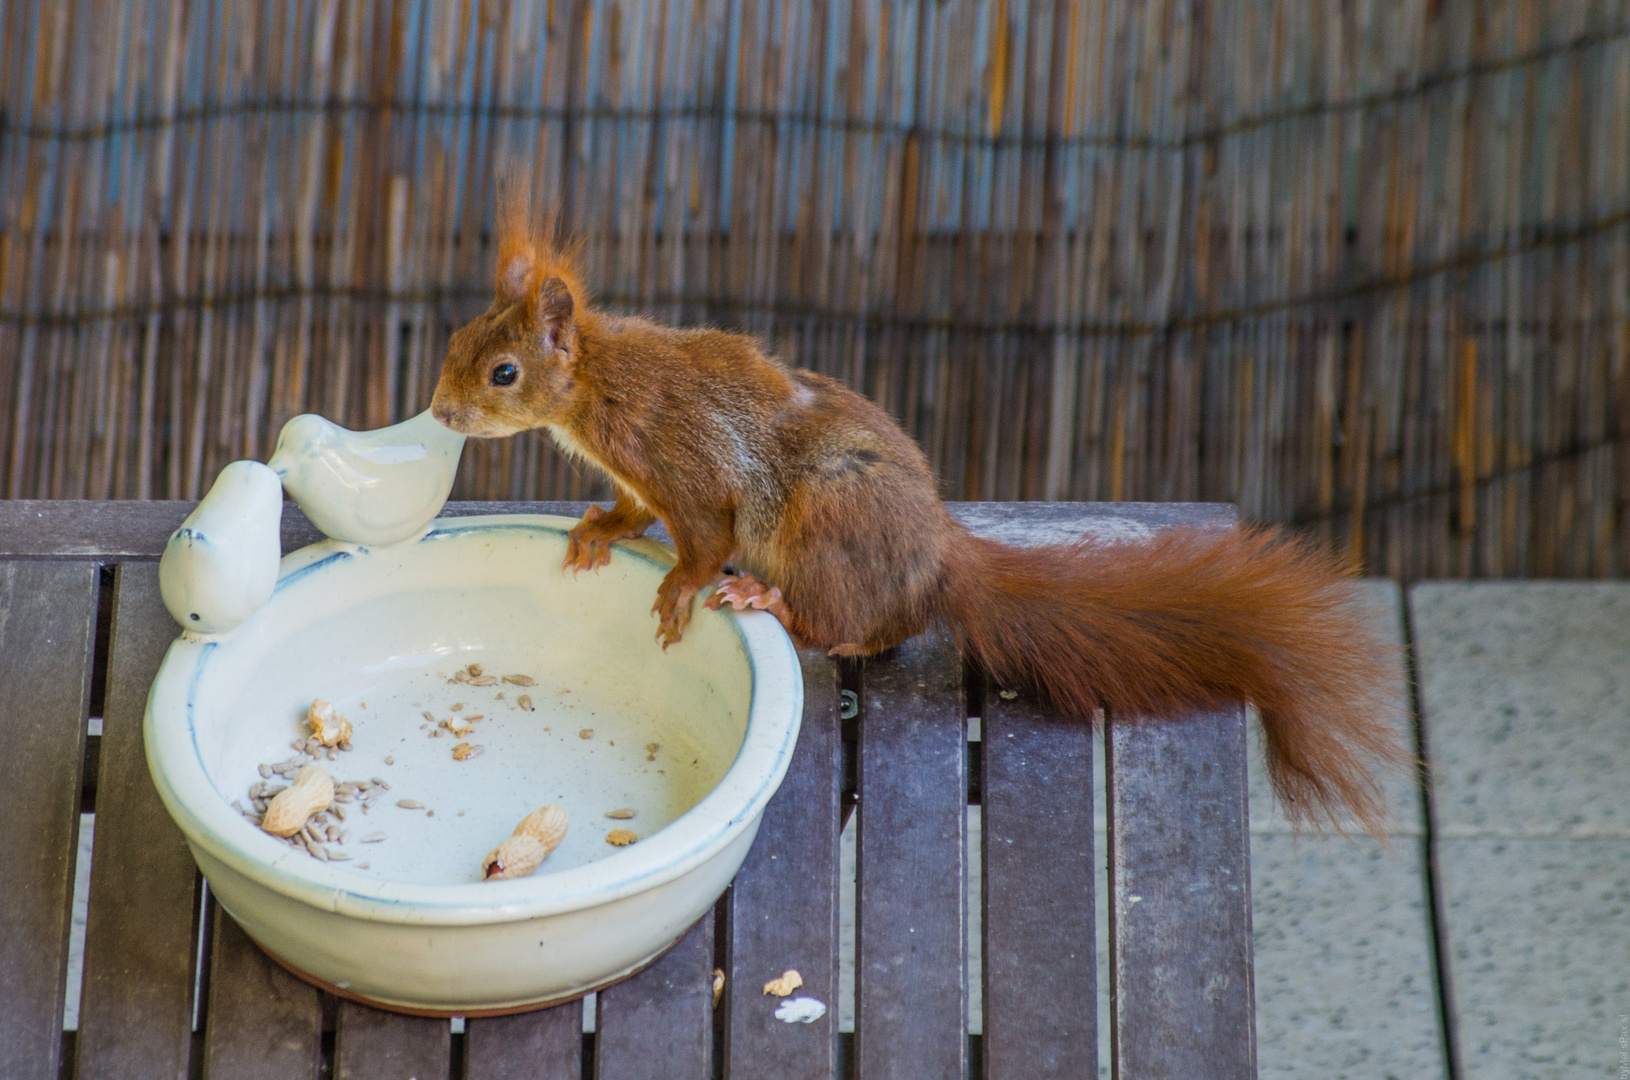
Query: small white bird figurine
{"points": [[221, 565], [368, 487]]}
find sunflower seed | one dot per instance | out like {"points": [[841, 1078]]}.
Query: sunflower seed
{"points": [[338, 856], [372, 838], [409, 804], [521, 680], [265, 771]]}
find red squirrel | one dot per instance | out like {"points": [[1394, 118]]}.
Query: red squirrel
{"points": [[827, 513]]}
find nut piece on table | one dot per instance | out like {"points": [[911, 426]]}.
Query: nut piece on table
{"points": [[312, 790], [620, 838], [789, 981], [521, 680], [622, 813], [539, 833], [327, 725]]}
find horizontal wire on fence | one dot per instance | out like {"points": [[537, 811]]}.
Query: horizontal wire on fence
{"points": [[1480, 484], [1539, 237], [211, 112]]}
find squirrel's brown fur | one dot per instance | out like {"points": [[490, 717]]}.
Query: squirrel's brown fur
{"points": [[812, 489]]}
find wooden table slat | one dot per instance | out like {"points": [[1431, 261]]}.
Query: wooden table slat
{"points": [[542, 1045], [1182, 999], [911, 956], [47, 630], [136, 1014], [658, 1025], [372, 1044], [1040, 945], [262, 1023], [784, 904]]}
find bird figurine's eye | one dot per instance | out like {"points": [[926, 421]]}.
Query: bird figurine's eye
{"points": [[504, 374]]}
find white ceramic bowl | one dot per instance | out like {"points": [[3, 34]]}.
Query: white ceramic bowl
{"points": [[378, 632]]}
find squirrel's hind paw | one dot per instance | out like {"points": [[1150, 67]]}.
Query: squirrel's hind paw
{"points": [[744, 592]]}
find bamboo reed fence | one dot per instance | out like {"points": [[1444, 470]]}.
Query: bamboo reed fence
{"points": [[1358, 266]]}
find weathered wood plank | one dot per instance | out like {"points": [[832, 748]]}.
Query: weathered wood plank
{"points": [[910, 965], [784, 904], [542, 1045], [262, 1023], [1030, 523], [658, 1025], [1040, 948], [47, 625], [1182, 996], [372, 1044], [136, 1014]]}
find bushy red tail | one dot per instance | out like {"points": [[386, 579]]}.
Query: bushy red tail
{"points": [[1195, 619]]}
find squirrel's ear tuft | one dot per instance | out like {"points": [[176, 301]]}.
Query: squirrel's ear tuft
{"points": [[554, 307]]}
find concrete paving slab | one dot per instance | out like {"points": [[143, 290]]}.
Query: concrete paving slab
{"points": [[1526, 688], [1345, 981], [1525, 693], [1539, 951]]}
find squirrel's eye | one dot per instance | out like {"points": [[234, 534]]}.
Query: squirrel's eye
{"points": [[504, 374]]}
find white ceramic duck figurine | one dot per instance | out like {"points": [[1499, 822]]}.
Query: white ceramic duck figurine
{"points": [[368, 487], [221, 565]]}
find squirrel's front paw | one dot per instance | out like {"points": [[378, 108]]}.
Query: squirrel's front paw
{"points": [[588, 544], [673, 608]]}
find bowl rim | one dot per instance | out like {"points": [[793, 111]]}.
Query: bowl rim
{"points": [[208, 821]]}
